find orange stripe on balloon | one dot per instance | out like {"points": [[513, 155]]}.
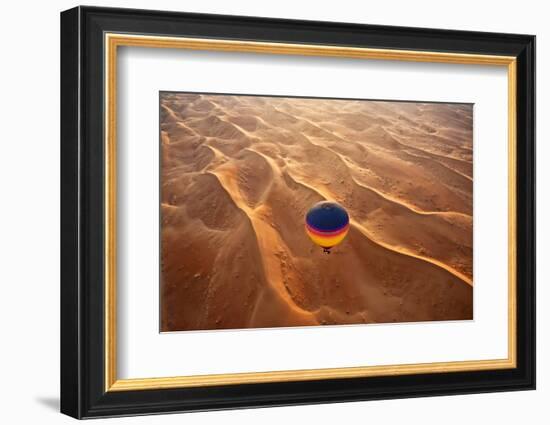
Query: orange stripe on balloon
{"points": [[327, 234], [326, 242]]}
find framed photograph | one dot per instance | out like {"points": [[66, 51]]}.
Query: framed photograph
{"points": [[261, 212]]}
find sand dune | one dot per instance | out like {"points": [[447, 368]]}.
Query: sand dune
{"points": [[239, 173]]}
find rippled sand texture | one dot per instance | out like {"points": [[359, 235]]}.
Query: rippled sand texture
{"points": [[239, 173]]}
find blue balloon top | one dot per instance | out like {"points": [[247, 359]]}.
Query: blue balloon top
{"points": [[327, 216]]}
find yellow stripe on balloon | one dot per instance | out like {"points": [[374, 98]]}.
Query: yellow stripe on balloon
{"points": [[327, 242]]}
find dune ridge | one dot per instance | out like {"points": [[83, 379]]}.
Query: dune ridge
{"points": [[239, 173]]}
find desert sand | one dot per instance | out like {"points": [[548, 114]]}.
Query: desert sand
{"points": [[239, 173]]}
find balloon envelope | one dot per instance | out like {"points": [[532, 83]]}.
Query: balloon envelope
{"points": [[327, 224]]}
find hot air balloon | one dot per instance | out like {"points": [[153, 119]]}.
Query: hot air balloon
{"points": [[327, 224]]}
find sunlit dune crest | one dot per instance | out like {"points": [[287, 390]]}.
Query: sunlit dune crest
{"points": [[239, 173]]}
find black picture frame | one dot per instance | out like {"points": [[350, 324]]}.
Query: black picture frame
{"points": [[83, 392]]}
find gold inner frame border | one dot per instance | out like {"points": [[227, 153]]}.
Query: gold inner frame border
{"points": [[111, 43]]}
